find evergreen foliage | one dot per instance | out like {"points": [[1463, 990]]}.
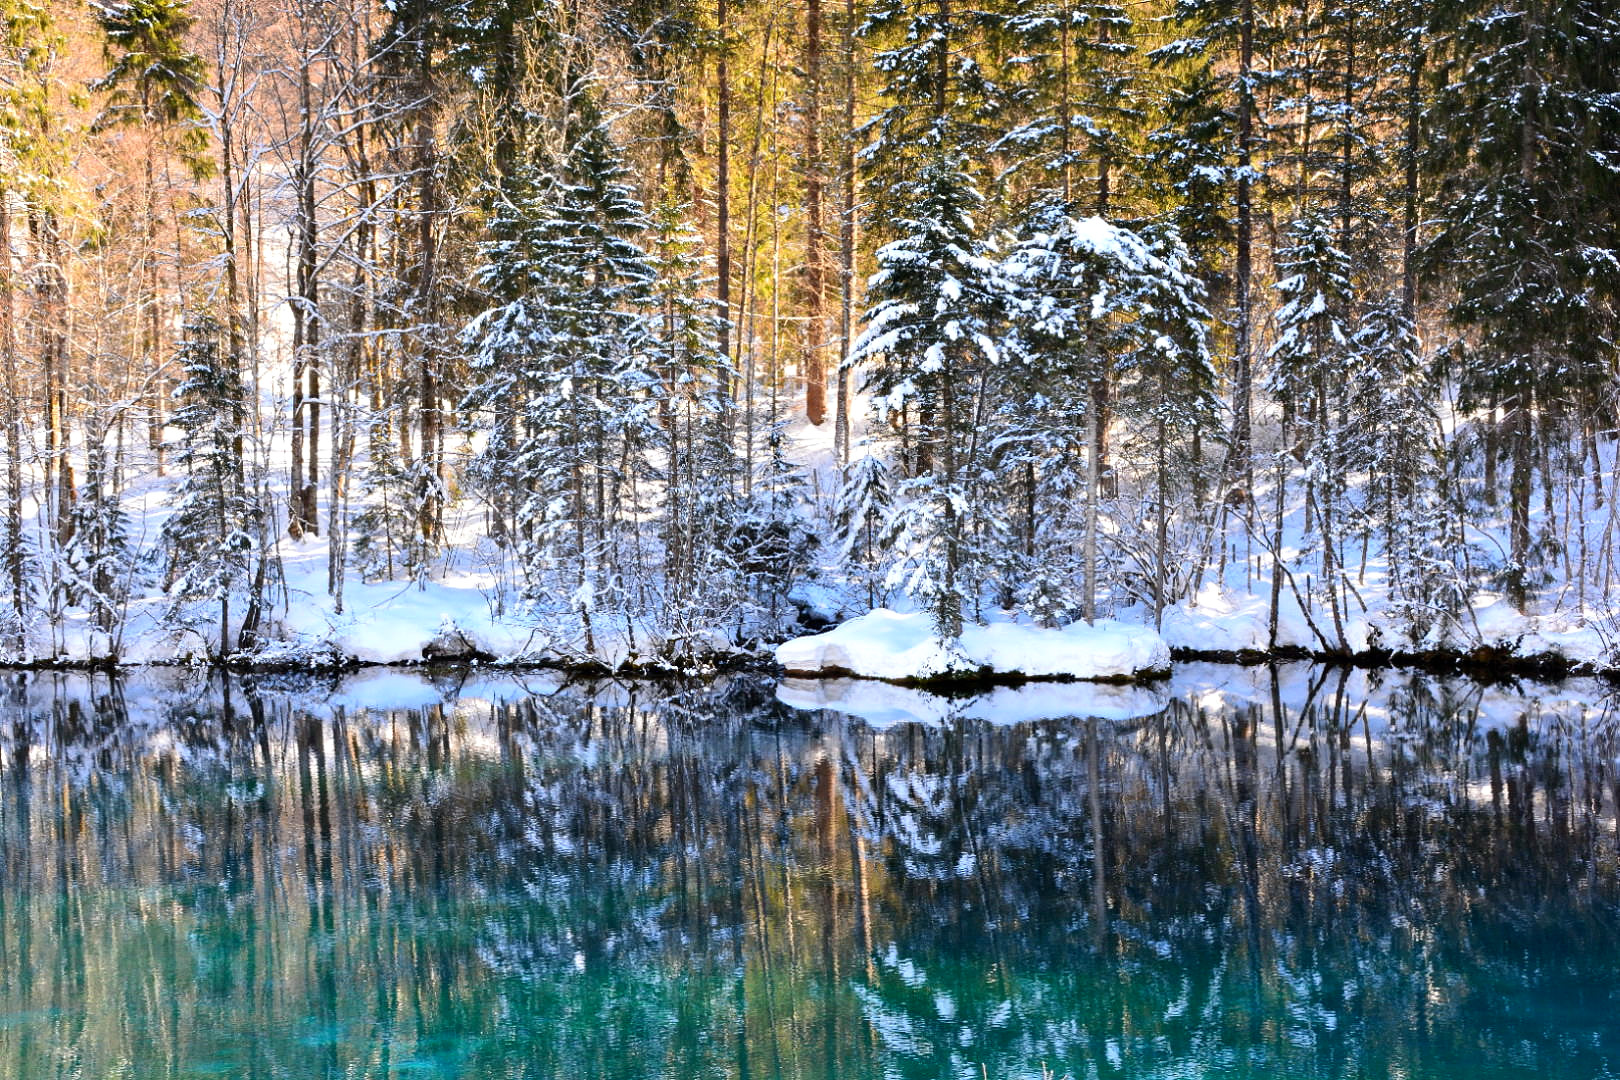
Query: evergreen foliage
{"points": [[210, 538], [930, 343], [153, 78]]}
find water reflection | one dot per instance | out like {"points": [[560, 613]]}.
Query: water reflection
{"points": [[1306, 872]]}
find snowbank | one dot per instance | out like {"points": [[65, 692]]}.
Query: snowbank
{"points": [[1228, 621], [1221, 621], [394, 622], [1572, 634], [884, 644]]}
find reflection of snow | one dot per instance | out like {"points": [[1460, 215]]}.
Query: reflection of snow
{"points": [[884, 705]]}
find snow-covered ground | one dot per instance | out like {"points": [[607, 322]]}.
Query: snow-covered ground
{"points": [[1230, 611], [884, 644], [462, 603], [1221, 620]]}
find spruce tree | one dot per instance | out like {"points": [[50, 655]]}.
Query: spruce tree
{"points": [[1219, 45], [562, 368], [209, 538], [865, 497], [152, 83], [930, 342], [1394, 437], [1093, 302], [1310, 356], [1071, 89], [1525, 132], [99, 556], [692, 459], [153, 77]]}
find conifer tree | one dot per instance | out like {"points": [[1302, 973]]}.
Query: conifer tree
{"points": [[865, 497], [153, 77], [1219, 44], [29, 151], [1526, 220], [1310, 354], [210, 535], [1071, 83], [152, 82], [701, 472], [563, 369], [1092, 302], [99, 555], [929, 343], [1394, 437]]}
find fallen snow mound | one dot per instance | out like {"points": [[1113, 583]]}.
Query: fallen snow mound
{"points": [[884, 644]]}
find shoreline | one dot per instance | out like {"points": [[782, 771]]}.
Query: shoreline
{"points": [[1484, 664]]}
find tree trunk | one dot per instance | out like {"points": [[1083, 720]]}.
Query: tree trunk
{"points": [[1409, 194], [750, 299], [846, 242], [55, 359], [1491, 447], [1093, 491], [429, 506], [11, 415], [949, 615], [1161, 531], [815, 353], [1517, 422], [722, 195], [153, 322], [306, 327], [1242, 374]]}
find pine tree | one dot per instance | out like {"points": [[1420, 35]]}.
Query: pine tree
{"points": [[1218, 47], [100, 555], [1096, 302], [930, 342], [1189, 168], [769, 540], [384, 535], [701, 473], [28, 43], [562, 367], [939, 89], [1072, 86], [410, 54], [153, 77], [1313, 338], [1393, 436], [209, 538], [1526, 122], [865, 496], [152, 82]]}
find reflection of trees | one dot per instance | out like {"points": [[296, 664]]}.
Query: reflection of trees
{"points": [[656, 880]]}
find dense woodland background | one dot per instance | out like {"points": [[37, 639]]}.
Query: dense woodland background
{"points": [[652, 312]]}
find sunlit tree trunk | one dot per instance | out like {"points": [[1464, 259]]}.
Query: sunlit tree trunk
{"points": [[815, 355]]}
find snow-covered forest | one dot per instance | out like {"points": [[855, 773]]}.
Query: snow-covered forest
{"points": [[652, 331]]}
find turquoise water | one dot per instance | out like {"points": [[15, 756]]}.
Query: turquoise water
{"points": [[1312, 875]]}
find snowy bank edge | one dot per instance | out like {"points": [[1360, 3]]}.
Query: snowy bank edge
{"points": [[889, 646]]}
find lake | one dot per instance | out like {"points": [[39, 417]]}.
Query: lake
{"points": [[1291, 872]]}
